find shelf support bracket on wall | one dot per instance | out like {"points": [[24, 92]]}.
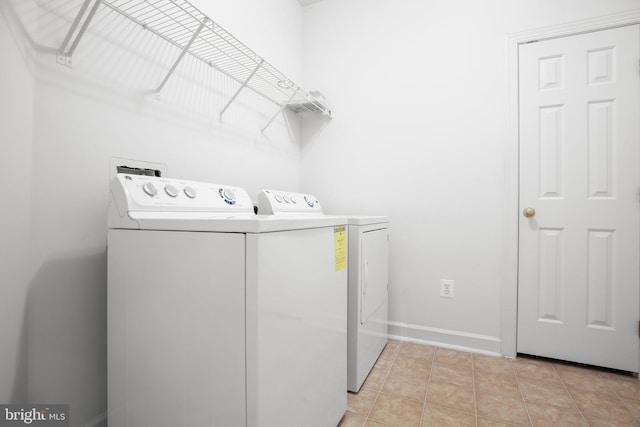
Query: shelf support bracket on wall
{"points": [[182, 54], [64, 56], [282, 107], [246, 82]]}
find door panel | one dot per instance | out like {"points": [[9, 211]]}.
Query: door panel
{"points": [[578, 279]]}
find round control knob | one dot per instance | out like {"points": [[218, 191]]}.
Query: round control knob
{"points": [[150, 189], [309, 201], [171, 190], [278, 198], [293, 200], [227, 195], [190, 192], [529, 212], [286, 198]]}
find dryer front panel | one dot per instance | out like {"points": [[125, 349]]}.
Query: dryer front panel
{"points": [[375, 272]]}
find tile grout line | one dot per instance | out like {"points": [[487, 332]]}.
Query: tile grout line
{"points": [[611, 392], [426, 392], [386, 374], [615, 393], [473, 384], [573, 400], [637, 417], [526, 407]]}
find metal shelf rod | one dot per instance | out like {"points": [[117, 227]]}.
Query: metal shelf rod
{"points": [[182, 54], [64, 56], [84, 27], [277, 113], [74, 25], [235, 95]]}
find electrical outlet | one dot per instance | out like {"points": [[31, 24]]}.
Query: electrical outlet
{"points": [[446, 288]]}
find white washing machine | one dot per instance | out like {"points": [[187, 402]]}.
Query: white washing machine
{"points": [[368, 266], [217, 317]]}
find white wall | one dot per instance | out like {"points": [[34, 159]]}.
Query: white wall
{"points": [[419, 92], [16, 134], [61, 128]]}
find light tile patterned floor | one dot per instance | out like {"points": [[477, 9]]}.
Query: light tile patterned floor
{"points": [[414, 385]]}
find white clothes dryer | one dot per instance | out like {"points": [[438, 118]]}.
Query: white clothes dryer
{"points": [[217, 317], [368, 295], [368, 267]]}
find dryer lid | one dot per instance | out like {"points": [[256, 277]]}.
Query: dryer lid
{"points": [[275, 202]]}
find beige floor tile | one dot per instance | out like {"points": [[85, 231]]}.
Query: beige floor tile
{"points": [[452, 374], [409, 387], [352, 420], [452, 357], [395, 411], [534, 391], [463, 389], [536, 370], [411, 366], [376, 378], [545, 415], [504, 408], [604, 406], [393, 345], [625, 387], [452, 396], [388, 355], [385, 361], [492, 364], [361, 403], [599, 422], [613, 375], [497, 384], [439, 416], [419, 351], [488, 422], [633, 406], [578, 383], [578, 378]]}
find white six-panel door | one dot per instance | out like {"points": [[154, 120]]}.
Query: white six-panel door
{"points": [[578, 278]]}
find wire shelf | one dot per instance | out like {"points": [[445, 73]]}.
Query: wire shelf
{"points": [[180, 23]]}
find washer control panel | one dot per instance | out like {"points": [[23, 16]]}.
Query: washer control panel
{"points": [[139, 193], [273, 202]]}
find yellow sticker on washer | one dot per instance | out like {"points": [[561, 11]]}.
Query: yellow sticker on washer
{"points": [[340, 246]]}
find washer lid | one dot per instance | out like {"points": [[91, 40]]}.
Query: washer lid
{"points": [[206, 222], [148, 197]]}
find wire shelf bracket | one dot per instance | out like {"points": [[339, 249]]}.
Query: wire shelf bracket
{"points": [[64, 56], [246, 82], [182, 54], [276, 114], [182, 25]]}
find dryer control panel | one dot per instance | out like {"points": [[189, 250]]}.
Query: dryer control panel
{"points": [[174, 198], [274, 202]]}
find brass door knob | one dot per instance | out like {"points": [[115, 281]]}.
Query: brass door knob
{"points": [[528, 212]]}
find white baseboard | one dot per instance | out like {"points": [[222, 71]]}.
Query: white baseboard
{"points": [[455, 340]]}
